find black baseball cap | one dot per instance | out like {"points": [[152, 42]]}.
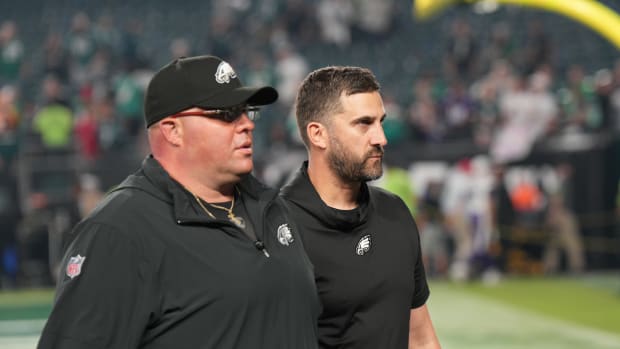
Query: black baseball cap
{"points": [[205, 82]]}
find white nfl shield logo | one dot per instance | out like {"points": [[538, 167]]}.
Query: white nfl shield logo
{"points": [[285, 237], [224, 73], [74, 266]]}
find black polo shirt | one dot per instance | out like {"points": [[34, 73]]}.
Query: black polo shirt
{"points": [[149, 269], [368, 265]]}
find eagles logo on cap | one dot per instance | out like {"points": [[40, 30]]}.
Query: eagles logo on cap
{"points": [[224, 73], [206, 82]]}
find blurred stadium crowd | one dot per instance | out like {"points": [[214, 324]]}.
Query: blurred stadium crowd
{"points": [[503, 128]]}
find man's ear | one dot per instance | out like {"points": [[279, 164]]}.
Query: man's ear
{"points": [[172, 130], [317, 135]]}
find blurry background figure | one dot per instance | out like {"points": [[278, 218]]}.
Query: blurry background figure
{"points": [[501, 46], [577, 99], [460, 56], [86, 132], [9, 218], [107, 34], [54, 120], [524, 242], [424, 120], [335, 18], [11, 52], [433, 236], [81, 47], [483, 263], [424, 206], [528, 113], [180, 47], [537, 49], [454, 200], [564, 234], [396, 180], [458, 110], [33, 241], [89, 194], [129, 86], [615, 98], [55, 59], [503, 214], [291, 68], [467, 208], [269, 133], [10, 122], [395, 124], [375, 19], [527, 197]]}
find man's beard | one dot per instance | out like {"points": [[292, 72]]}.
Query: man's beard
{"points": [[352, 170]]}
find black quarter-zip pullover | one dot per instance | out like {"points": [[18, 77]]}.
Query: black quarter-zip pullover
{"points": [[149, 269]]}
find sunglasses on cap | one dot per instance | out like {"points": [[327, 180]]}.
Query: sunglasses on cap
{"points": [[228, 114]]}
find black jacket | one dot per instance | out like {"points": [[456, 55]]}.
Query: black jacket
{"points": [[149, 269]]}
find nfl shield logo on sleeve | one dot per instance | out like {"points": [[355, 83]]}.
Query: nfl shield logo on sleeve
{"points": [[74, 267]]}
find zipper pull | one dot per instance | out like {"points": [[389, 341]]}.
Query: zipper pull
{"points": [[261, 247]]}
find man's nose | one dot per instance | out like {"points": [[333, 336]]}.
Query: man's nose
{"points": [[244, 122], [378, 137]]}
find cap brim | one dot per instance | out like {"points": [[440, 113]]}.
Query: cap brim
{"points": [[242, 95]]}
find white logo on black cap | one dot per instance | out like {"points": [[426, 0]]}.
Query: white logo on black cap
{"points": [[363, 246], [224, 73], [285, 237]]}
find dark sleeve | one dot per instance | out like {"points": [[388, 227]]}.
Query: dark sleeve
{"points": [[102, 300], [421, 291]]}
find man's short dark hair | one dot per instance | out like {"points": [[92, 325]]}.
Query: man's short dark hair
{"points": [[319, 93]]}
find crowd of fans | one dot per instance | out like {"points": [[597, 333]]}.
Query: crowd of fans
{"points": [[77, 94]]}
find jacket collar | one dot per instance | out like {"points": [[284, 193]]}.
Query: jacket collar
{"points": [[301, 192], [153, 179]]}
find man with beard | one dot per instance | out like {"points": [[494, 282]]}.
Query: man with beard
{"points": [[362, 240]]}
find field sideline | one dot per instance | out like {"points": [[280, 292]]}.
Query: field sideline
{"points": [[523, 313]]}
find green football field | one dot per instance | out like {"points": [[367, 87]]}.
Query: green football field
{"points": [[559, 313]]}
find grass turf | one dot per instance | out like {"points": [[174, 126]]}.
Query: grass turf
{"points": [[26, 304], [588, 301], [579, 301]]}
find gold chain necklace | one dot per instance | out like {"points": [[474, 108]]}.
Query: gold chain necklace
{"points": [[238, 221]]}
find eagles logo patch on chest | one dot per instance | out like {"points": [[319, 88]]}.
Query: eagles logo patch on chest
{"points": [[285, 237], [363, 246]]}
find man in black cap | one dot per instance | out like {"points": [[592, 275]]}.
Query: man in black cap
{"points": [[191, 251]]}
